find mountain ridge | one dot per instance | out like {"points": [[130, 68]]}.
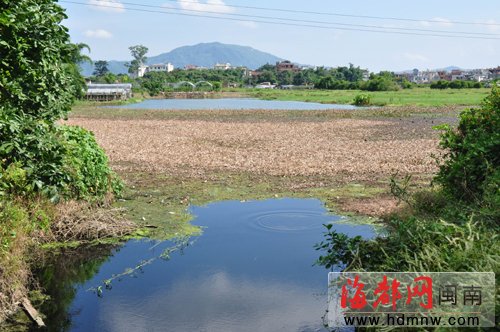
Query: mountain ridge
{"points": [[202, 54]]}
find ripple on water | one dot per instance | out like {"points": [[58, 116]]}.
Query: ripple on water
{"points": [[290, 220]]}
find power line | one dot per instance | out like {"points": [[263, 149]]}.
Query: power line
{"points": [[341, 15], [279, 23], [307, 21]]}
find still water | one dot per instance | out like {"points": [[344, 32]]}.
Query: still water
{"points": [[250, 270], [231, 104]]}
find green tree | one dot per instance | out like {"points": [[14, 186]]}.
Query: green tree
{"points": [[110, 78], [76, 53], [138, 52], [267, 76], [100, 68], [34, 53], [39, 81], [472, 160]]}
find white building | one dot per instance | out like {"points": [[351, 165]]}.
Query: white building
{"points": [[160, 67], [166, 67], [222, 66], [140, 71]]}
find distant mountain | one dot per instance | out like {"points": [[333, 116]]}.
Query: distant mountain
{"points": [[447, 69], [205, 55]]}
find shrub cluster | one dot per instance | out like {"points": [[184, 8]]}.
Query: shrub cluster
{"points": [[457, 84], [471, 167], [453, 227], [362, 100]]}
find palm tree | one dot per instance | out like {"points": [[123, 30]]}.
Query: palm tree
{"points": [[76, 53]]}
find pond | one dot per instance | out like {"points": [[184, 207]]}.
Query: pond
{"points": [[231, 104], [251, 269]]}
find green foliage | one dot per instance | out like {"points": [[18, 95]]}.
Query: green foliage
{"points": [[338, 247], [11, 219], [138, 52], [217, 86], [472, 157], [457, 84], [13, 181], [100, 68], [441, 84], [34, 145], [35, 51], [330, 83], [39, 80], [419, 243], [380, 83], [86, 164], [58, 162], [362, 100], [450, 228]]}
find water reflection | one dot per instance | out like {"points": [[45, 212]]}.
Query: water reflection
{"points": [[251, 270]]}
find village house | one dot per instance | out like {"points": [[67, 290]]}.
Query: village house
{"points": [[167, 67], [222, 66], [160, 67], [287, 66], [424, 77], [494, 73]]}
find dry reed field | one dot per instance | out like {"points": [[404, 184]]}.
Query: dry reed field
{"points": [[348, 149]]}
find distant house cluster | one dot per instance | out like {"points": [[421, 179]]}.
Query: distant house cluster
{"points": [[429, 76], [220, 66]]}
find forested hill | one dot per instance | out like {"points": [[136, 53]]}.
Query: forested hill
{"points": [[205, 55]]}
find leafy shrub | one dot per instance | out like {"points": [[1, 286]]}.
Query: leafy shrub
{"points": [[338, 247], [57, 162], [362, 100], [380, 83], [456, 84], [86, 164], [441, 85], [472, 151], [13, 181], [416, 244], [33, 144]]}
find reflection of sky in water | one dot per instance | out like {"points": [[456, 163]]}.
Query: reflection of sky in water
{"points": [[251, 270], [231, 104]]}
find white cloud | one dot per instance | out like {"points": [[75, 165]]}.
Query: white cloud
{"points": [[209, 6], [437, 21], [107, 5], [249, 24], [98, 33], [444, 22], [416, 57], [491, 27]]}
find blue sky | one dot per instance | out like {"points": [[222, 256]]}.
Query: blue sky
{"points": [[110, 31]]}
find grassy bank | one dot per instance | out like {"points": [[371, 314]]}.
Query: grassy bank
{"points": [[415, 97]]}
